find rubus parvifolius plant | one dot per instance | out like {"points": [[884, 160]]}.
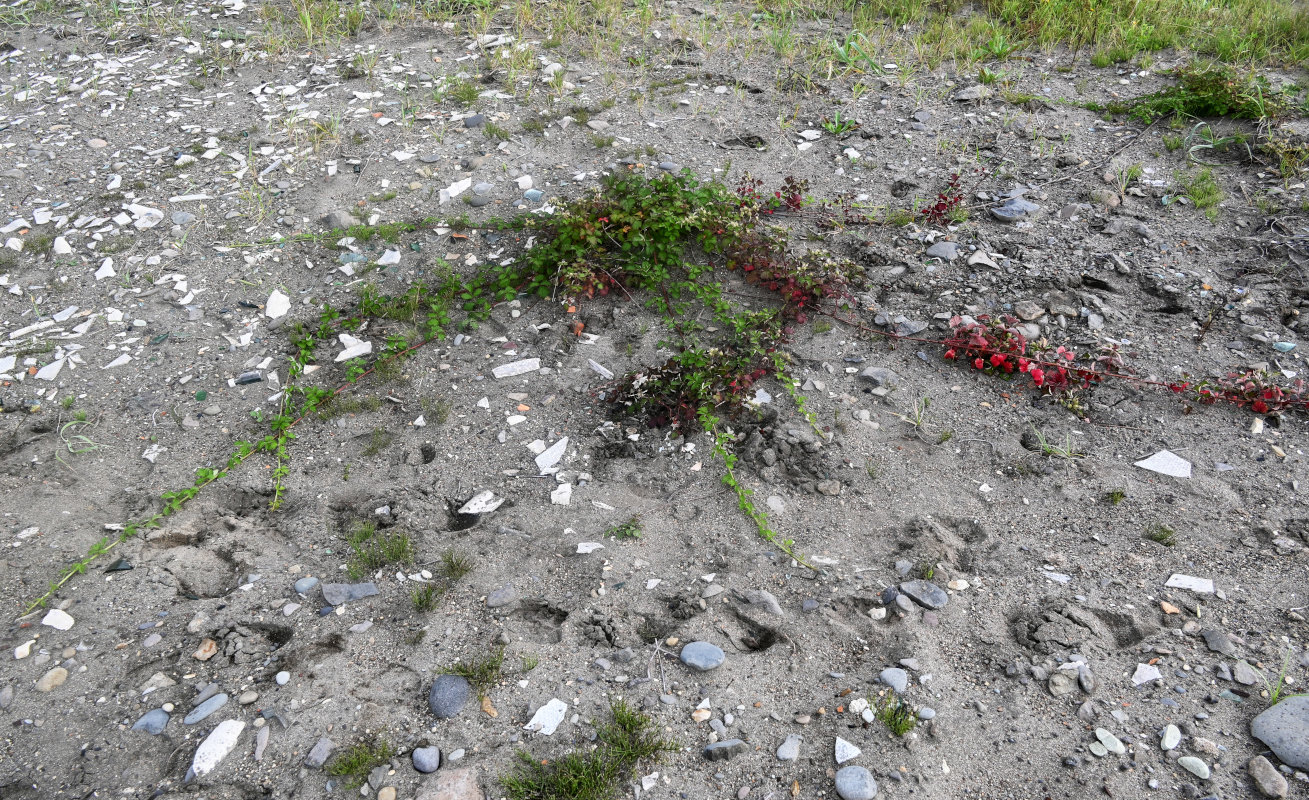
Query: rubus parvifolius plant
{"points": [[1253, 389], [996, 346], [947, 201]]}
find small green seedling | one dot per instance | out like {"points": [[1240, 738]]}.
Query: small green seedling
{"points": [[1161, 534], [631, 529]]}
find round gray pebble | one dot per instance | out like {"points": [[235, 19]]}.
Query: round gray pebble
{"points": [[449, 695], [427, 759], [855, 783], [702, 656]]}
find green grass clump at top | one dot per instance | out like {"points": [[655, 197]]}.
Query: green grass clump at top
{"points": [[1209, 90], [596, 774]]}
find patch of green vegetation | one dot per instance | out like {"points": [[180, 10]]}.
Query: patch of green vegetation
{"points": [[529, 662], [1173, 142], [465, 92], [822, 326], [495, 132], [342, 404], [455, 565], [1161, 534], [371, 549], [436, 410], [483, 673], [631, 529], [534, 125], [355, 762], [1208, 90], [426, 597], [1203, 191], [896, 714], [378, 440], [1115, 496], [601, 141], [595, 774]]}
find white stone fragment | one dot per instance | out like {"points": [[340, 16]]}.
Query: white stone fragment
{"points": [[278, 305], [552, 455], [548, 717], [1167, 463], [562, 495], [517, 368], [57, 619], [586, 548], [483, 502], [1145, 673], [1197, 585], [50, 371], [354, 348], [845, 751], [215, 748]]}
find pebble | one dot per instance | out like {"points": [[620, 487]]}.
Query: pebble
{"points": [[790, 749], [855, 783], [764, 600], [670, 166], [945, 250], [533, 195], [1172, 737], [475, 121], [304, 585], [247, 697], [896, 678], [215, 748], [448, 696], [1110, 742], [319, 754], [209, 706], [52, 680], [502, 597], [386, 793], [57, 619], [1194, 766], [6, 697], [1284, 728], [152, 722], [845, 751], [702, 656], [722, 751], [925, 594], [282, 678], [427, 759], [336, 594], [1244, 673], [1267, 779]]}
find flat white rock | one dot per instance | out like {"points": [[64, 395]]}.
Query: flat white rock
{"points": [[277, 306], [845, 751], [1166, 462], [1145, 673], [389, 257], [106, 270], [548, 717], [354, 348], [50, 371], [562, 495], [215, 748], [1197, 585], [588, 547], [482, 503], [517, 368], [59, 620], [551, 455]]}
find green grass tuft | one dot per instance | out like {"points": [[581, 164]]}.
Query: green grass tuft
{"points": [[372, 549], [483, 673], [355, 762], [595, 774]]}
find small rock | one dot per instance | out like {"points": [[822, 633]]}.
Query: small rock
{"points": [[153, 722], [215, 748], [855, 783], [1266, 777], [1244, 673], [304, 585], [880, 376], [427, 759], [52, 680], [1284, 728], [944, 249], [209, 706], [1028, 310], [1111, 743], [790, 749], [452, 784], [702, 656], [925, 594], [448, 696], [845, 751], [1171, 737], [764, 600], [722, 751], [896, 678], [502, 597], [57, 619], [335, 594], [318, 755], [1194, 766]]}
